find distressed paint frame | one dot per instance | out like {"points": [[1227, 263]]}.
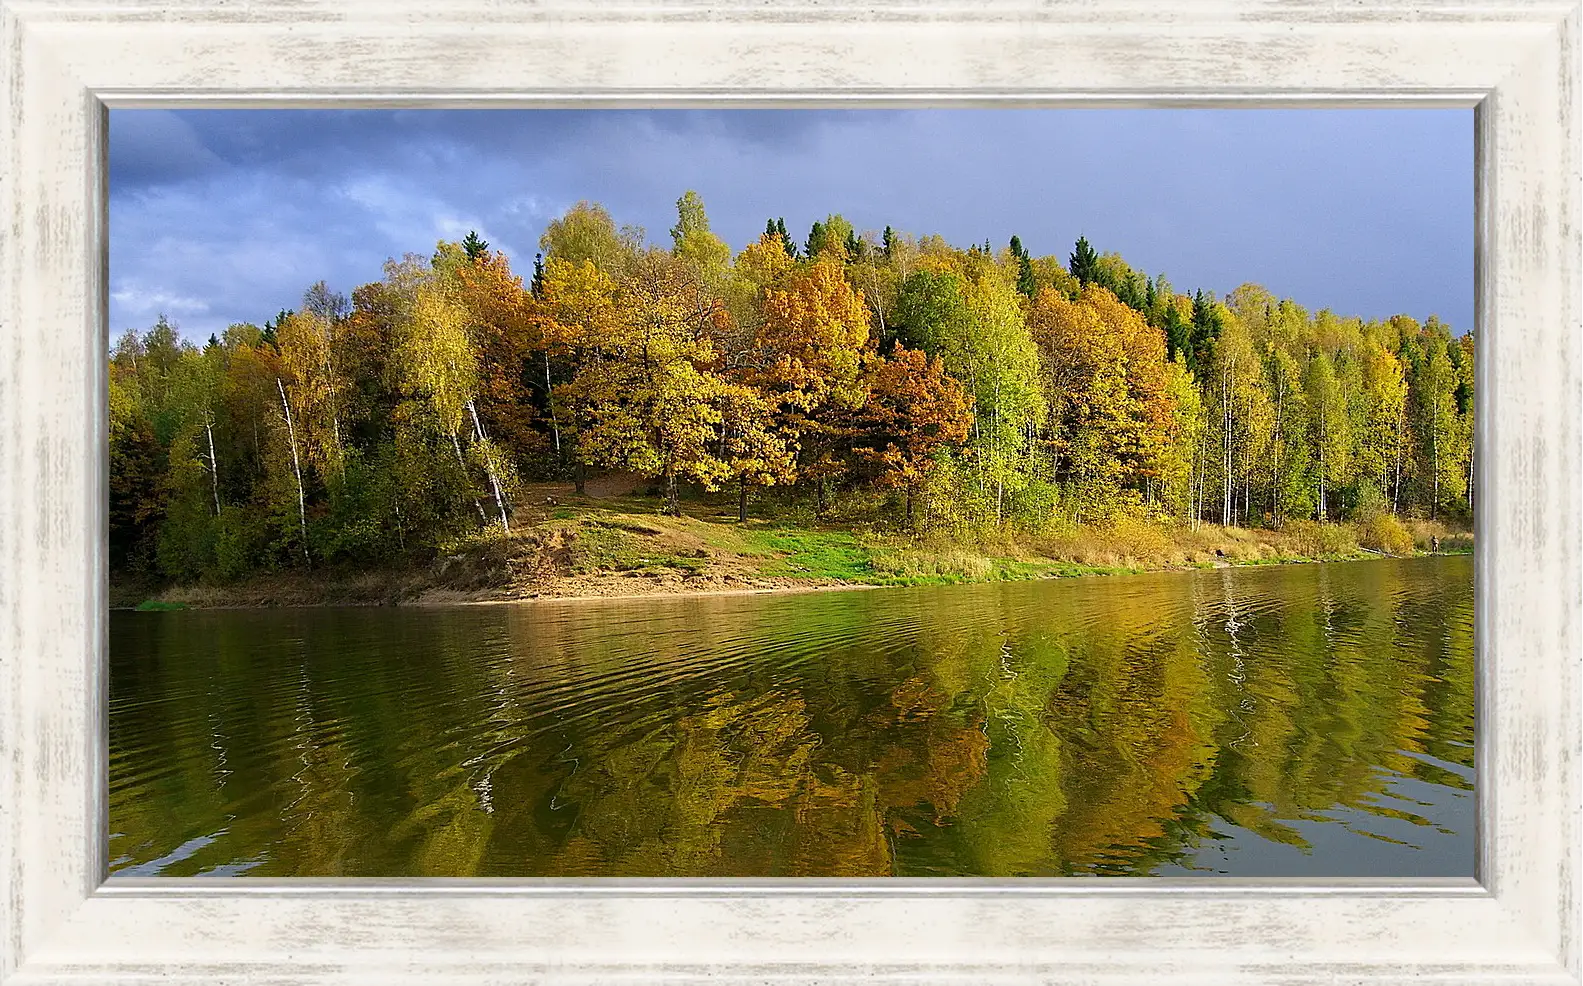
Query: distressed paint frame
{"points": [[64, 61]]}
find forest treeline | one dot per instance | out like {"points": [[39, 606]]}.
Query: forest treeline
{"points": [[939, 388]]}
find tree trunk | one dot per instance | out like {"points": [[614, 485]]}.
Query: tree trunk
{"points": [[1434, 451], [1275, 448], [1247, 489], [909, 507], [673, 504], [1225, 457], [214, 468], [461, 464], [549, 402], [1396, 485], [1321, 469], [489, 467], [296, 467], [742, 499], [1000, 467], [819, 501]]}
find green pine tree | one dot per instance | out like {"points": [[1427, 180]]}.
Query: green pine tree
{"points": [[815, 239], [268, 335], [1025, 282], [1178, 333], [1206, 329], [474, 246], [1084, 262]]}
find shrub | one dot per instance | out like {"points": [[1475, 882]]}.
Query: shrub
{"points": [[1133, 537], [907, 564], [241, 543], [1383, 532], [1312, 539], [1424, 533]]}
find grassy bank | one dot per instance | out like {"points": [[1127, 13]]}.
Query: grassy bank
{"points": [[570, 547]]}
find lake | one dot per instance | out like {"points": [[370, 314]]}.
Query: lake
{"points": [[1301, 720]]}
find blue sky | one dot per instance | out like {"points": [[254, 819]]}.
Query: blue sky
{"points": [[225, 216]]}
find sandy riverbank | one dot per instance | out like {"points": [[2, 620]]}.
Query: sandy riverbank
{"points": [[600, 552]]}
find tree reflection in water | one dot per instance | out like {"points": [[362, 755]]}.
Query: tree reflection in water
{"points": [[1311, 720]]}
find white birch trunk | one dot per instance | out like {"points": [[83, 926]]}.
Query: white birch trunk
{"points": [[1324, 433], [214, 466], [489, 467], [1434, 452], [1401, 442], [461, 464], [296, 467], [1275, 472], [1225, 455], [549, 401]]}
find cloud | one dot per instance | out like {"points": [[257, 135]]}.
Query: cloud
{"points": [[1364, 211], [151, 147], [136, 297]]}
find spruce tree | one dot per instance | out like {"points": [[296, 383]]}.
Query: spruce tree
{"points": [[1206, 327], [1177, 337], [888, 243], [815, 239], [1127, 292], [1084, 262], [268, 335], [474, 246], [537, 286], [1025, 282]]}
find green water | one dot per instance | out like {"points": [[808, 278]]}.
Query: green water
{"points": [[1312, 720]]}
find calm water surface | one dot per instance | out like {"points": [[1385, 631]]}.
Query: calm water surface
{"points": [[1311, 720]]}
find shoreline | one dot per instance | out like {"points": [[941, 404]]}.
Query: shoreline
{"points": [[779, 590], [332, 595]]}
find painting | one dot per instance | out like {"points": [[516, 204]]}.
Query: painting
{"points": [[791, 493]]}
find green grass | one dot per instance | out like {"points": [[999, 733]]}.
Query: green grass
{"points": [[681, 563], [780, 547], [155, 606], [604, 547], [614, 544], [835, 555]]}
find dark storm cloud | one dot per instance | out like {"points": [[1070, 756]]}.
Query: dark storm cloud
{"points": [[221, 216]]}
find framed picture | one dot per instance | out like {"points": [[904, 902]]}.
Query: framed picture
{"points": [[768, 784]]}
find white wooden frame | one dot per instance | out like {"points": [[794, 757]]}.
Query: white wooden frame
{"points": [[65, 61]]}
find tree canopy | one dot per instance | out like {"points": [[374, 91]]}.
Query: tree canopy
{"points": [[944, 387]]}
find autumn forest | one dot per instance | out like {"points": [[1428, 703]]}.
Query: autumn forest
{"points": [[925, 388]]}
